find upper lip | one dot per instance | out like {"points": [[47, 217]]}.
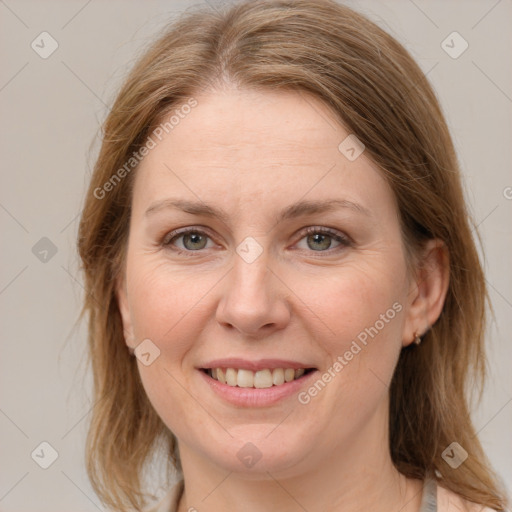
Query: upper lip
{"points": [[260, 364]]}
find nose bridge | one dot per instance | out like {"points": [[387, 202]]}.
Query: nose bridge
{"points": [[250, 266], [251, 299], [250, 278]]}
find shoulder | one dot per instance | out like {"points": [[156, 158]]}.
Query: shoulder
{"points": [[169, 503], [448, 501]]}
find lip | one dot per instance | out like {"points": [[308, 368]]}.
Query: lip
{"points": [[253, 397], [260, 364]]}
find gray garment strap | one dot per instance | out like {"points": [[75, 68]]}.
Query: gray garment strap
{"points": [[429, 498]]}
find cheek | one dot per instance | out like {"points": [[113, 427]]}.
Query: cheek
{"points": [[169, 306], [360, 313], [357, 303], [165, 308]]}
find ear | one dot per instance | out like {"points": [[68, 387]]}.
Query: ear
{"points": [[124, 310], [427, 291]]}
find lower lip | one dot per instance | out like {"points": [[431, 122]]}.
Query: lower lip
{"points": [[253, 397]]}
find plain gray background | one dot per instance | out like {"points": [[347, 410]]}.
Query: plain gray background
{"points": [[51, 110]]}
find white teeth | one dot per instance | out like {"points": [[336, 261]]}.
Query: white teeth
{"points": [[245, 379], [261, 379], [278, 377], [289, 374], [221, 377], [231, 377]]}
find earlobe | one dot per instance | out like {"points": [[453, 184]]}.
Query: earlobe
{"points": [[428, 291], [124, 310]]}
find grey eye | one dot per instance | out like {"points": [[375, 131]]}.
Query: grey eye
{"points": [[194, 241], [319, 241]]}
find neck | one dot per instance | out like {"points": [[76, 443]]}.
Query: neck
{"points": [[357, 475]]}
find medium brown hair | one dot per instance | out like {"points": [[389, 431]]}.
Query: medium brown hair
{"points": [[378, 93]]}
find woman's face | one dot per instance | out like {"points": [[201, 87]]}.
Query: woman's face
{"points": [[250, 270]]}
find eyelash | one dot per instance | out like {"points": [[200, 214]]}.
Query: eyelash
{"points": [[336, 235]]}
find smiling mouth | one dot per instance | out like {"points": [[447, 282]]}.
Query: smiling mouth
{"points": [[260, 379]]}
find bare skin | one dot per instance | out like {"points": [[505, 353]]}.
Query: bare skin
{"points": [[304, 298]]}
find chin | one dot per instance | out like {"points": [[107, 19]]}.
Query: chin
{"points": [[254, 457]]}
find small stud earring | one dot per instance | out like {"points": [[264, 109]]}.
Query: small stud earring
{"points": [[417, 339]]}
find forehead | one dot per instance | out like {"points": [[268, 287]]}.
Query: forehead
{"points": [[237, 123], [244, 143]]}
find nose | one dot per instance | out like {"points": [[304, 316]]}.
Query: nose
{"points": [[254, 299]]}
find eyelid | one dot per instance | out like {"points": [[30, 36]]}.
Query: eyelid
{"points": [[339, 235], [203, 230], [343, 240]]}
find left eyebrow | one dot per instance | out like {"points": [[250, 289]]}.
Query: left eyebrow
{"points": [[299, 209], [311, 207]]}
